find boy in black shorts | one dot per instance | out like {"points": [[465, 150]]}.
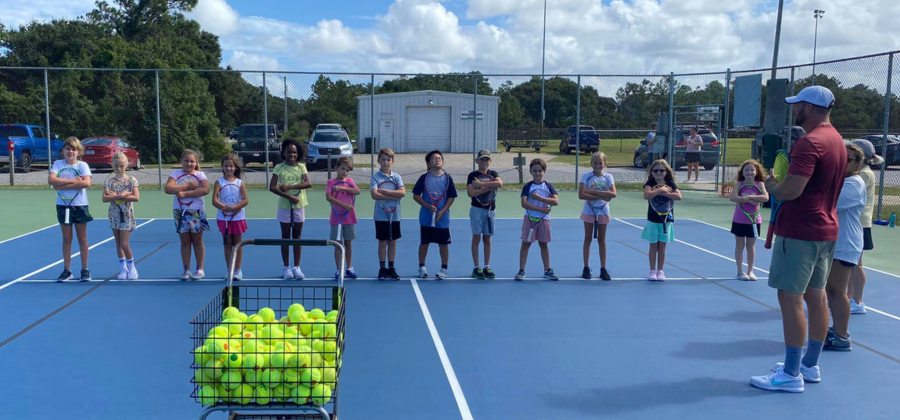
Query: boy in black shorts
{"points": [[435, 192]]}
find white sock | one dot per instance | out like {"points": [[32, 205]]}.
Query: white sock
{"points": [[130, 263], [122, 264]]}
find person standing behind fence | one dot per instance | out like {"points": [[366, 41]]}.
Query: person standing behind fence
{"points": [[858, 274], [654, 147], [807, 230], [692, 154]]}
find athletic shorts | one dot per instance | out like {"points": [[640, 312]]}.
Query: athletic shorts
{"points": [[235, 227], [541, 230], [602, 219], [692, 157], [77, 214], [745, 230], [385, 230], [846, 263], [284, 215], [193, 221], [478, 219], [798, 265], [348, 233], [868, 245], [433, 235], [653, 232]]}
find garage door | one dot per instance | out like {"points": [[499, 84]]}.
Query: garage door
{"points": [[427, 129]]}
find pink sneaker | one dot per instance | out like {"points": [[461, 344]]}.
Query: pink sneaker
{"points": [[652, 275], [660, 276]]}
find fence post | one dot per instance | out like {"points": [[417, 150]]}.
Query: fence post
{"points": [[474, 122], [371, 125], [158, 132], [266, 123], [47, 121], [724, 124], [887, 115], [578, 129], [671, 139]]}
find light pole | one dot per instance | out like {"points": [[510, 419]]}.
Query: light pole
{"points": [[543, 53], [817, 14], [777, 38]]}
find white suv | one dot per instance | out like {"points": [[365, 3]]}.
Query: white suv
{"points": [[325, 141]]}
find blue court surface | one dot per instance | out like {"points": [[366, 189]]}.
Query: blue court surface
{"points": [[458, 348]]}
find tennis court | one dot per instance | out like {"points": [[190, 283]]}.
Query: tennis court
{"points": [[427, 349]]}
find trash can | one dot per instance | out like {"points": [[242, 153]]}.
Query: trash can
{"points": [[369, 142]]}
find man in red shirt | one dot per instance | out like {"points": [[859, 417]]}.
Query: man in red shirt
{"points": [[807, 229]]}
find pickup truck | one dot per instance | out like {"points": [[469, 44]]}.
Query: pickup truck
{"points": [[30, 145], [590, 139], [251, 145]]}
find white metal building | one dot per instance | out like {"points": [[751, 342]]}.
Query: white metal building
{"points": [[421, 121]]}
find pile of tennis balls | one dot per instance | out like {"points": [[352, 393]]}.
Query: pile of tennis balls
{"points": [[260, 359]]}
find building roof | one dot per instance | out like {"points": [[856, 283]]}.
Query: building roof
{"points": [[427, 93]]}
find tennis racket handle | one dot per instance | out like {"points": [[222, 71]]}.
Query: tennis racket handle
{"points": [[530, 234], [67, 215], [433, 219], [769, 234]]}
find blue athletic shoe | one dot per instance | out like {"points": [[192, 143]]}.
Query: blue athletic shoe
{"points": [[350, 273]]}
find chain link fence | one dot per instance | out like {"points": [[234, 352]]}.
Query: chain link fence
{"points": [[561, 119]]}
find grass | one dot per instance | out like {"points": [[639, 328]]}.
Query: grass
{"points": [[620, 152]]}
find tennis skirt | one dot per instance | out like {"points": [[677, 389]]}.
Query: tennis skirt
{"points": [[284, 215], [77, 215], [745, 230], [602, 219], [193, 221], [235, 227], [653, 232]]}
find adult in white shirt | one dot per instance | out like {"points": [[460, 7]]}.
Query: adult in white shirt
{"points": [[858, 274]]}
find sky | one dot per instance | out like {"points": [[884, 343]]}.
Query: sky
{"points": [[504, 36]]}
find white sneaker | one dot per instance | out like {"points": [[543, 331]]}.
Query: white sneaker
{"points": [[122, 275], [857, 309], [287, 273], [660, 276], [132, 274], [298, 274], [199, 274], [652, 275], [441, 274], [423, 273], [186, 275], [778, 381], [238, 275], [751, 276], [742, 276], [809, 374]]}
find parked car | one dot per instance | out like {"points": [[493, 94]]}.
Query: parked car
{"points": [[329, 127], [235, 133], [892, 154], [333, 141], [251, 146], [589, 139], [98, 151], [30, 145], [709, 152]]}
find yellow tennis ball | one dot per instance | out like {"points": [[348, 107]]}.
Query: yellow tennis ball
{"points": [[254, 323], [231, 379], [217, 348], [285, 320], [234, 361], [230, 312], [253, 377], [271, 377], [261, 394], [214, 369], [200, 378], [243, 394], [280, 393], [280, 359], [310, 377], [219, 331], [234, 345], [252, 346], [320, 394], [329, 376], [297, 316], [207, 395], [317, 313], [201, 356], [242, 316], [284, 346], [253, 361], [222, 393], [267, 314], [270, 334], [294, 308], [291, 378], [300, 394], [234, 325]]}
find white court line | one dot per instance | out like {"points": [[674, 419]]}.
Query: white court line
{"points": [[372, 279], [60, 261], [445, 361], [729, 259], [29, 233]]}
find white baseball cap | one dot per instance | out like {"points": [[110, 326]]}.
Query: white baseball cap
{"points": [[816, 95]]}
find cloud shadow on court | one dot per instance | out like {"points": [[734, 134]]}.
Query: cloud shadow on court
{"points": [[730, 350]]}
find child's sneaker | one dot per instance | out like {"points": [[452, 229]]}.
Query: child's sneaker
{"points": [[132, 274], [238, 275], [382, 273], [550, 275], [586, 273], [809, 374], [857, 308], [199, 274], [660, 276], [778, 381], [423, 272], [66, 275], [652, 275], [186, 275], [298, 274], [520, 275], [751, 276], [477, 273], [287, 274], [604, 274], [123, 275], [350, 273], [441, 274], [85, 274], [488, 273], [392, 273], [743, 276]]}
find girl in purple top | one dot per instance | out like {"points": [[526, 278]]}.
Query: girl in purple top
{"points": [[746, 231]]}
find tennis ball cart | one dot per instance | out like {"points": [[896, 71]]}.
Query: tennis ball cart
{"points": [[270, 352]]}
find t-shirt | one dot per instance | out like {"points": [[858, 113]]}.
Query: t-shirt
{"points": [[118, 186], [694, 143], [531, 187], [378, 178], [868, 176], [655, 145], [739, 216], [426, 216], [471, 178], [349, 217], [241, 215], [198, 203], [652, 215], [606, 183], [291, 175], [81, 199], [850, 204], [820, 155]]}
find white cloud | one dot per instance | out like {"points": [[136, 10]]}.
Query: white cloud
{"points": [[17, 12], [215, 16]]}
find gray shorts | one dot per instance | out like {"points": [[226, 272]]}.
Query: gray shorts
{"points": [[478, 219], [798, 265], [347, 231]]}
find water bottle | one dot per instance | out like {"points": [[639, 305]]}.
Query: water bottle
{"points": [[892, 220]]}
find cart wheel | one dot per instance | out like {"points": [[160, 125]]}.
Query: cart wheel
{"points": [[537, 148]]}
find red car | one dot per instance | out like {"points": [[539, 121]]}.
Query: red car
{"points": [[98, 151]]}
